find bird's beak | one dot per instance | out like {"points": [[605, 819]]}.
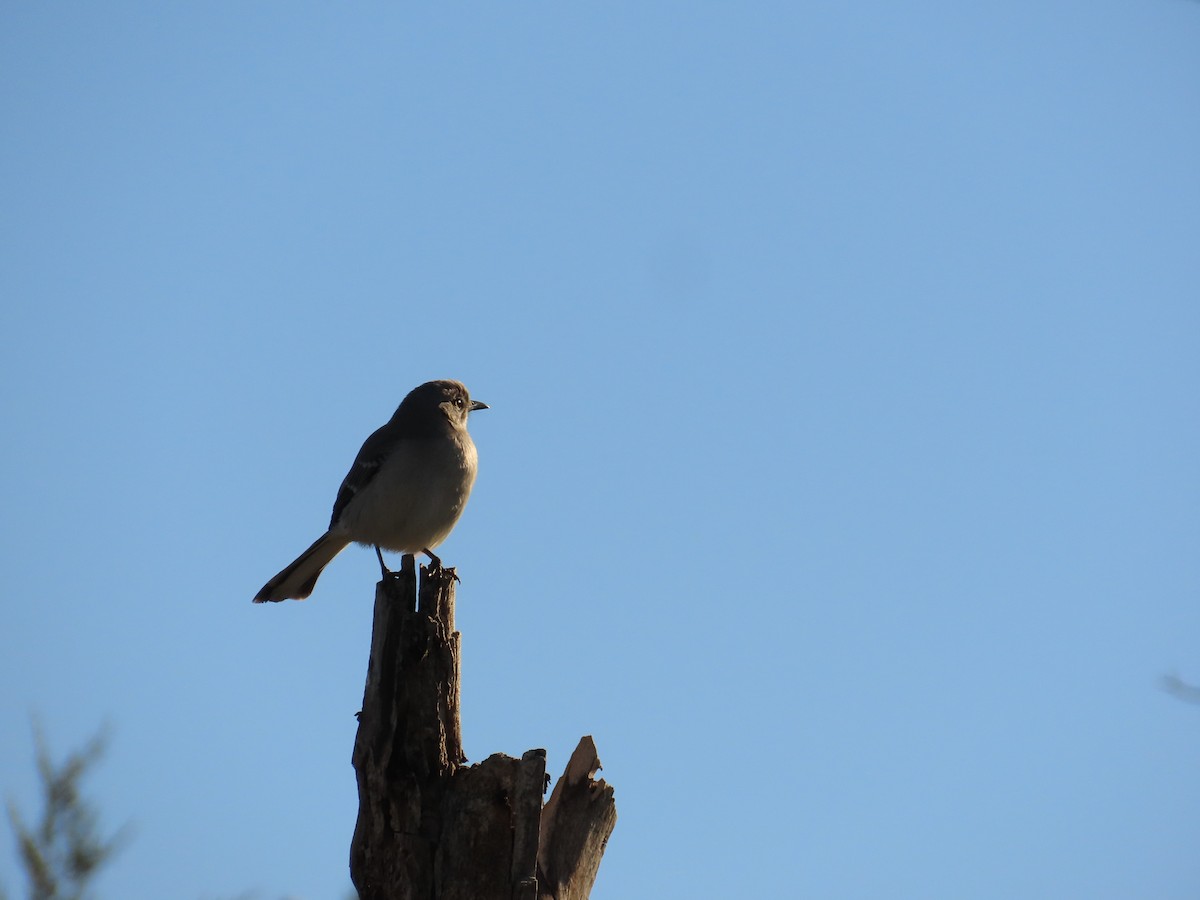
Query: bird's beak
{"points": [[478, 404]]}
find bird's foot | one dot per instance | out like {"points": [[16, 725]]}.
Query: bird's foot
{"points": [[386, 572], [435, 565]]}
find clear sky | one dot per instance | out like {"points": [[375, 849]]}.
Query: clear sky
{"points": [[841, 472]]}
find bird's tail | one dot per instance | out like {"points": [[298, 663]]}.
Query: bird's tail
{"points": [[298, 580]]}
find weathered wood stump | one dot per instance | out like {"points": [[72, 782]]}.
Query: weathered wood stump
{"points": [[430, 827]]}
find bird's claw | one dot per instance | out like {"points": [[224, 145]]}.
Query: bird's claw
{"points": [[435, 566]]}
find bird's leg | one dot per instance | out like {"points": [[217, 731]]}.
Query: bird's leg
{"points": [[382, 564], [436, 563]]}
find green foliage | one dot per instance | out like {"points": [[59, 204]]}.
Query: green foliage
{"points": [[63, 852]]}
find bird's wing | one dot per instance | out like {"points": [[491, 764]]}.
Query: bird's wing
{"points": [[366, 466]]}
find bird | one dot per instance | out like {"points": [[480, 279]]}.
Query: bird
{"points": [[405, 491]]}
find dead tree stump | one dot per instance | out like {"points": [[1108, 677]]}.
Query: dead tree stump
{"points": [[430, 827]]}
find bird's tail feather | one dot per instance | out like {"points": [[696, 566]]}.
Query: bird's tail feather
{"points": [[298, 580]]}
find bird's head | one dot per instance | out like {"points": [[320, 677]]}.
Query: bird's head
{"points": [[447, 398]]}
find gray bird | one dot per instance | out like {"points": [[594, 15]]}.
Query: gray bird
{"points": [[405, 491]]}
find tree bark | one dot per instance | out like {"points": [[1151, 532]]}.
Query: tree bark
{"points": [[430, 827], [576, 824]]}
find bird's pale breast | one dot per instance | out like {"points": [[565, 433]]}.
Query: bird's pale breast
{"points": [[427, 483]]}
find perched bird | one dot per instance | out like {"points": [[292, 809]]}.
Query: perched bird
{"points": [[405, 491]]}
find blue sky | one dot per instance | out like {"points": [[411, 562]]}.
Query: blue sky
{"points": [[840, 476]]}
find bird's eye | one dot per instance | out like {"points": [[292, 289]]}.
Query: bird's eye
{"points": [[458, 401]]}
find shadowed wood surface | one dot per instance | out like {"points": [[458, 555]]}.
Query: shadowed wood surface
{"points": [[431, 827], [576, 824]]}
